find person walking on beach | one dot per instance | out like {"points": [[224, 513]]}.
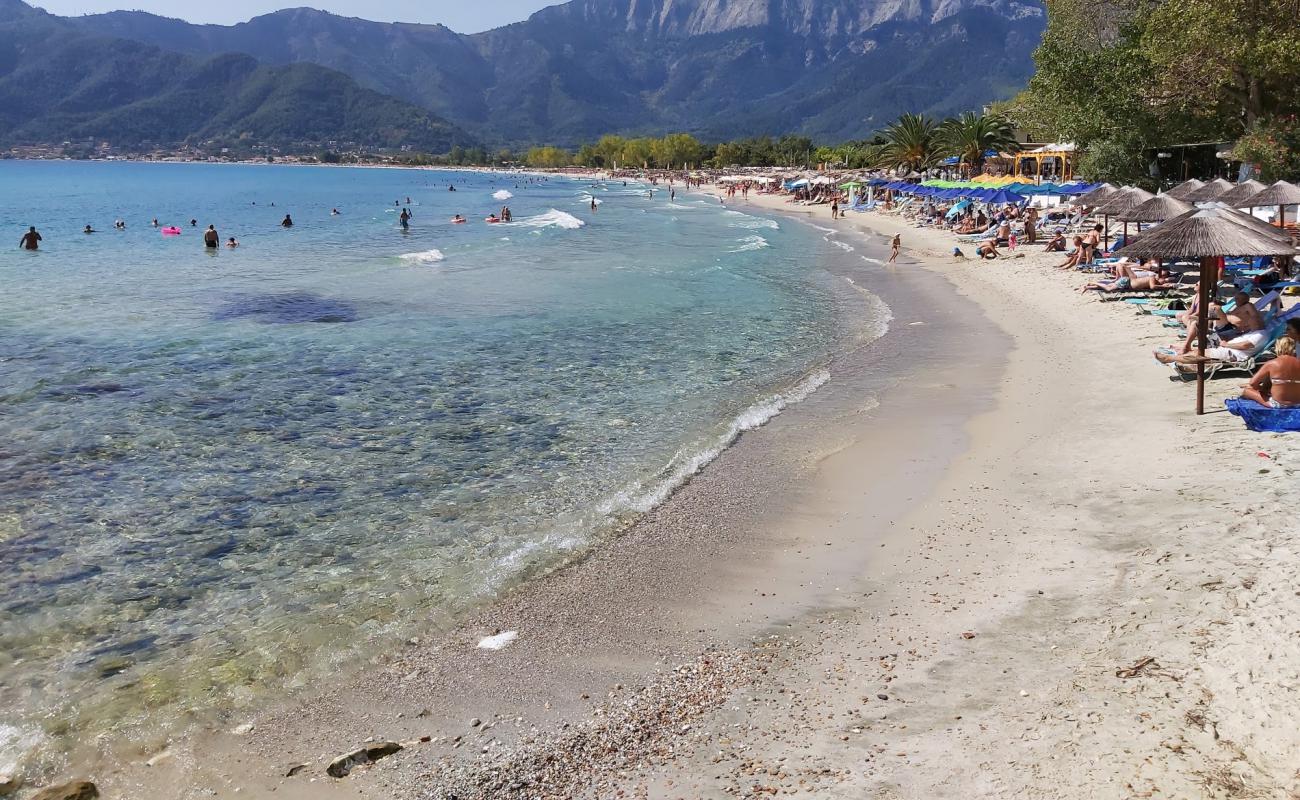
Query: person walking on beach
{"points": [[895, 247], [31, 240], [1031, 224], [211, 239]]}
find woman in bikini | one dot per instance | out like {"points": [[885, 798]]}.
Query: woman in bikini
{"points": [[1277, 383]]}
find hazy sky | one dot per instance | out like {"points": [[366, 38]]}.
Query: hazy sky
{"points": [[466, 16]]}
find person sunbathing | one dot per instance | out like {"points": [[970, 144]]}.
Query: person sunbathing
{"points": [[1243, 318], [1233, 350], [1277, 383], [1075, 255], [1150, 282], [1057, 244]]}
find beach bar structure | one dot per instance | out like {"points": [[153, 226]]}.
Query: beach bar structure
{"points": [[1208, 234], [1054, 160]]}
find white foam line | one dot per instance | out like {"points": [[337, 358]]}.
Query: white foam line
{"points": [[684, 465]]}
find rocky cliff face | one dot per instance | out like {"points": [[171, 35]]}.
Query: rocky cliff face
{"points": [[717, 68]]}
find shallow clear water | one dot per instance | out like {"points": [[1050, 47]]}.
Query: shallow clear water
{"points": [[222, 472]]}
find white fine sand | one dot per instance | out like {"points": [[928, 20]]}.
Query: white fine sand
{"points": [[1094, 522], [940, 602]]}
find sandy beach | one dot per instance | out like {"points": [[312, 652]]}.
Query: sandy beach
{"points": [[1003, 559]]}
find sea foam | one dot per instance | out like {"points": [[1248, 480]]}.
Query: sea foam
{"points": [[683, 465], [553, 218], [749, 243], [501, 194], [424, 257]]}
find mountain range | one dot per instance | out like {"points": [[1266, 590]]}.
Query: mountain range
{"points": [[831, 69]]}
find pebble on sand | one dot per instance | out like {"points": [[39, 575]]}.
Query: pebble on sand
{"points": [[341, 766]]}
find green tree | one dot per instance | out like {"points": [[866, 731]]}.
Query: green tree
{"points": [[1239, 55], [970, 136], [636, 153], [548, 157], [676, 149], [728, 154], [911, 143], [609, 150]]}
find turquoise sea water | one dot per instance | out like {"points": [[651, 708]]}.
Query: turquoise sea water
{"points": [[222, 472]]}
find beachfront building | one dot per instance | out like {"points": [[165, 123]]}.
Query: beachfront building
{"points": [[1175, 163]]}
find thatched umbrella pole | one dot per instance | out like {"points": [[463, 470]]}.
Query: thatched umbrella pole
{"points": [[1209, 276]]}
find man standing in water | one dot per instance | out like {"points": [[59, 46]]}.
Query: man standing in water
{"points": [[31, 239], [287, 222], [210, 238], [405, 219]]}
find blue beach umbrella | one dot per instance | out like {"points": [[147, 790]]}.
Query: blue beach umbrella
{"points": [[1002, 196]]}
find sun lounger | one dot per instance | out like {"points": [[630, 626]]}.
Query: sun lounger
{"points": [[1276, 327]]}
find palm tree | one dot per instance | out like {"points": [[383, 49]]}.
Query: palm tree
{"points": [[971, 135], [911, 142]]}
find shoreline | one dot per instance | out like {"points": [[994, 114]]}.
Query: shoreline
{"points": [[678, 556], [972, 578]]}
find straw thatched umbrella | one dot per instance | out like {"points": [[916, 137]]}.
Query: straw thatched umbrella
{"points": [[1096, 196], [1278, 194], [1185, 188], [1208, 192], [1121, 202], [1207, 234], [1257, 224], [1157, 209], [1234, 197]]}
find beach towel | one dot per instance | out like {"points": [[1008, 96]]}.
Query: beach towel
{"points": [[1258, 418]]}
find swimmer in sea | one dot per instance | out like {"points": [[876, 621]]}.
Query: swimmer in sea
{"points": [[334, 212], [458, 218], [88, 229], [194, 223], [210, 238], [231, 243], [120, 225], [31, 239], [155, 222], [287, 222]]}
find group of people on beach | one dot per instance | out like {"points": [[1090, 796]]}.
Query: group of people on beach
{"points": [[1239, 326]]}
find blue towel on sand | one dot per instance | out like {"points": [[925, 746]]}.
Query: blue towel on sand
{"points": [[1258, 418]]}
